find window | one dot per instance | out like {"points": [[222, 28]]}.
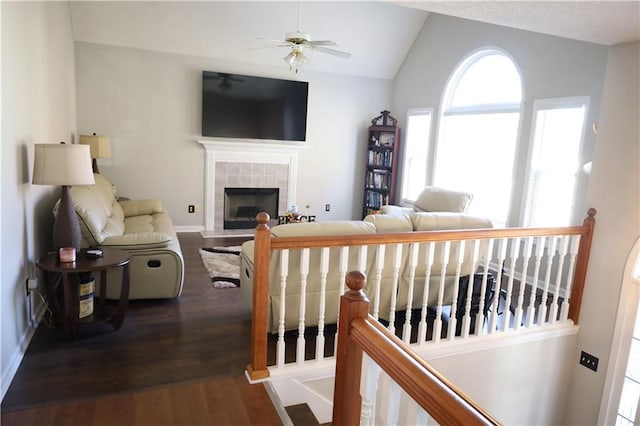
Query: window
{"points": [[476, 144], [621, 396], [557, 132], [414, 175]]}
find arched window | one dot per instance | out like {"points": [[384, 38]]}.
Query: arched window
{"points": [[478, 131]]}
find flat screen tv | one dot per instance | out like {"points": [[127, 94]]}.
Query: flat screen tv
{"points": [[248, 107]]}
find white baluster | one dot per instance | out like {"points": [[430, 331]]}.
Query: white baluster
{"points": [[542, 310], [422, 327], [526, 255], [502, 254], [480, 317], [466, 320], [564, 247], [393, 411], [437, 326], [515, 253], [413, 262], [304, 272], [453, 318], [284, 271], [324, 269], [575, 245], [342, 274], [368, 389], [534, 282], [362, 259], [397, 259], [377, 279]]}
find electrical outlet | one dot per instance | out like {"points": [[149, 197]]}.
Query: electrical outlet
{"points": [[589, 361], [32, 284], [327, 207], [191, 208], [197, 208]]}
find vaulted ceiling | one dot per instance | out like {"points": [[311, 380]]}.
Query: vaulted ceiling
{"points": [[378, 34]]}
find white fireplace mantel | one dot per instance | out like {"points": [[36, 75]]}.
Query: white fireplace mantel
{"points": [[245, 152]]}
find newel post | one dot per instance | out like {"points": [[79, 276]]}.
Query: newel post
{"points": [[257, 369], [346, 395], [582, 263]]}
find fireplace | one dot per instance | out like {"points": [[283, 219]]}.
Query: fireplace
{"points": [[237, 164], [241, 205]]}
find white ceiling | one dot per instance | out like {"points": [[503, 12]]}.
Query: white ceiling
{"points": [[378, 34]]}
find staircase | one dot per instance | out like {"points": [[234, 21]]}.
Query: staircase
{"points": [[298, 402]]}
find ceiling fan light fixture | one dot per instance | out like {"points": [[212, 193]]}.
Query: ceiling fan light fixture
{"points": [[301, 59], [290, 59], [295, 59]]}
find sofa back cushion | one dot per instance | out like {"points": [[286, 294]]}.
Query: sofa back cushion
{"points": [[444, 221], [386, 223], [98, 211], [434, 199], [337, 227]]}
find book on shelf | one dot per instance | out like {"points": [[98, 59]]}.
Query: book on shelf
{"points": [[380, 158]]}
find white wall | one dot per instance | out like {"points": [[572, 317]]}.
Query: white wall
{"points": [[149, 104], [38, 105], [519, 384], [550, 67], [614, 191]]}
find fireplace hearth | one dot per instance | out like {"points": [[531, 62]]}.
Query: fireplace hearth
{"points": [[241, 205]]}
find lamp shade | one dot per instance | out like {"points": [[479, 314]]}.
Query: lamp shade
{"points": [[100, 145], [62, 164]]}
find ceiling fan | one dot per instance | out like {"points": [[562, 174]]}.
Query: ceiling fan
{"points": [[298, 41]]}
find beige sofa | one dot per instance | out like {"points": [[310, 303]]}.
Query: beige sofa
{"points": [[372, 224], [141, 227]]}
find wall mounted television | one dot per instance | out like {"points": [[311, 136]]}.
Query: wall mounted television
{"points": [[248, 107]]}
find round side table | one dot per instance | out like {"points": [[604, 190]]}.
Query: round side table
{"points": [[69, 273]]}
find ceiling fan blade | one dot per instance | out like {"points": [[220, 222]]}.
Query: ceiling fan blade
{"points": [[271, 40], [322, 43], [332, 52], [274, 43]]}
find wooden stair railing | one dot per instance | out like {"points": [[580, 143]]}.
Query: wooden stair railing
{"points": [[358, 333], [265, 243]]}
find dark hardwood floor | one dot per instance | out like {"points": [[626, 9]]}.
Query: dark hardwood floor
{"points": [[200, 337]]}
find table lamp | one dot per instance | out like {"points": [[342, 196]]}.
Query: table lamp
{"points": [[100, 148], [66, 165]]}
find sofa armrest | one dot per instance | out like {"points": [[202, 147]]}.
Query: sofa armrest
{"points": [[144, 240], [141, 207], [396, 210]]}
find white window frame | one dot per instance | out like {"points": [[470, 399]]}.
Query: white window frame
{"points": [[549, 104], [628, 308], [451, 84], [416, 112]]}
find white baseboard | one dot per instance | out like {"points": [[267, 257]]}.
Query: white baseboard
{"points": [[188, 228], [16, 358]]}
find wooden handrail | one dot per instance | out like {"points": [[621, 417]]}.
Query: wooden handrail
{"points": [[359, 332], [418, 236], [582, 263]]}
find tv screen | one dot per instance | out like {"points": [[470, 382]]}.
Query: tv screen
{"points": [[247, 107]]}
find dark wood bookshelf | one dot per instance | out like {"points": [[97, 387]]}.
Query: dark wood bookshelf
{"points": [[382, 160]]}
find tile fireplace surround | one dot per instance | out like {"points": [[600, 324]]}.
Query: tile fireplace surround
{"points": [[240, 164]]}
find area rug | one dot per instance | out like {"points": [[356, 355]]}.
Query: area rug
{"points": [[223, 265]]}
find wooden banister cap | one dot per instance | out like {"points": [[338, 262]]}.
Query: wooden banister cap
{"points": [[263, 218], [356, 281]]}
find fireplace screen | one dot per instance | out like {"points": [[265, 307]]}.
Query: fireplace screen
{"points": [[241, 205]]}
